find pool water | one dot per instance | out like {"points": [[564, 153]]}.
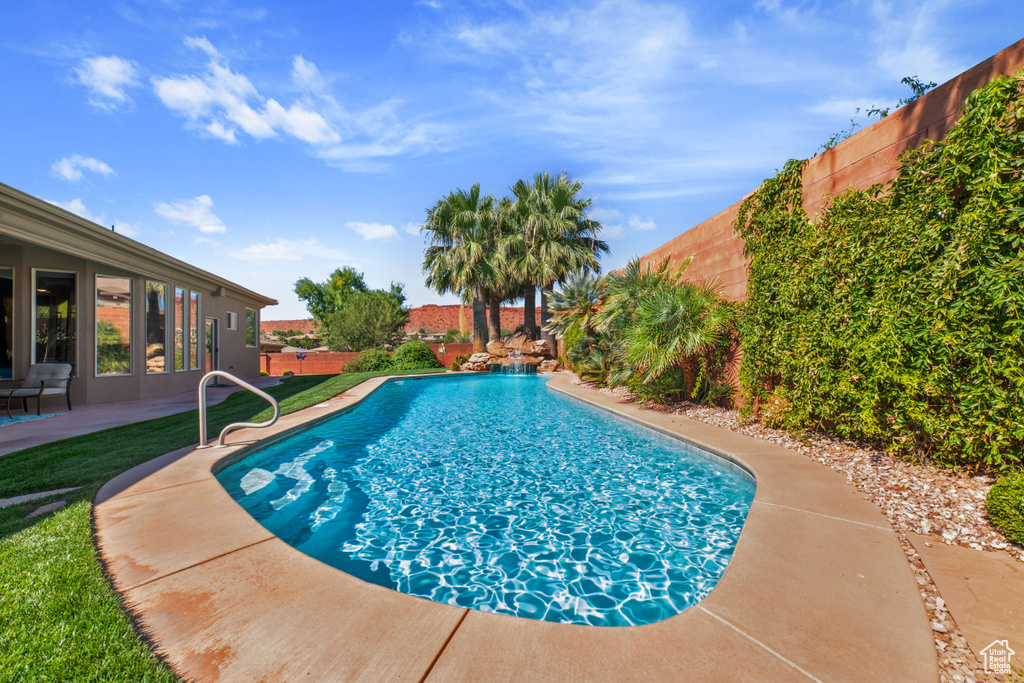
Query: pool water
{"points": [[494, 493]]}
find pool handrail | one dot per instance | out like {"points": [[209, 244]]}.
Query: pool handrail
{"points": [[234, 425]]}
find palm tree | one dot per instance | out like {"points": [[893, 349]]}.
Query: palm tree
{"points": [[551, 237], [461, 257]]}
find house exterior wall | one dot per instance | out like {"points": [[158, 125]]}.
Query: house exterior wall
{"points": [[34, 236], [867, 158]]}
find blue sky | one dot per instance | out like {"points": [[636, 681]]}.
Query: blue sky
{"points": [[268, 142]]}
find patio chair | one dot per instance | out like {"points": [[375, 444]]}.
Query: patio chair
{"points": [[43, 379]]}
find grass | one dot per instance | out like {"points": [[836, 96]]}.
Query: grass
{"points": [[59, 619]]}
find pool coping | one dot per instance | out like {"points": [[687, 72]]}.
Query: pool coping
{"points": [[818, 587]]}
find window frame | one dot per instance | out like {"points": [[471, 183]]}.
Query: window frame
{"points": [[14, 338], [168, 360], [255, 328], [35, 319], [180, 321], [96, 322], [232, 321], [194, 342]]}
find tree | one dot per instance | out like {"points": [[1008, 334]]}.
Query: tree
{"points": [[551, 237], [324, 299], [368, 320], [462, 254]]}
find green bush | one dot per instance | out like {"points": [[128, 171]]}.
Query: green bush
{"points": [[456, 366], [414, 355], [288, 373], [896, 316], [570, 340], [371, 360], [1005, 505], [264, 373]]}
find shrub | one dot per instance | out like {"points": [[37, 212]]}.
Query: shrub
{"points": [[288, 373], [1005, 506], [461, 358], [772, 411], [570, 340], [414, 355], [896, 315], [456, 366], [371, 360], [264, 373]]}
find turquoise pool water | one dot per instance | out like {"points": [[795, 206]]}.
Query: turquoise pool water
{"points": [[494, 493]]}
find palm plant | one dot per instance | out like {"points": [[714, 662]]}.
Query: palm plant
{"points": [[660, 324], [461, 256], [575, 305]]}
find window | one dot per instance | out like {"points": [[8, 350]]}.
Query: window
{"points": [[156, 327], [179, 328], [55, 323], [193, 332], [232, 320], [6, 323], [113, 325], [250, 327]]}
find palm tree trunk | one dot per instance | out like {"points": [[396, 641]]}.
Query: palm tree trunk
{"points": [[544, 317], [494, 315], [530, 311], [479, 320]]}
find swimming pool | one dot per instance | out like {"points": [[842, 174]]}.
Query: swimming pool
{"points": [[493, 493]]}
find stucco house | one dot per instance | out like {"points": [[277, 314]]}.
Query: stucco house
{"points": [[135, 322]]}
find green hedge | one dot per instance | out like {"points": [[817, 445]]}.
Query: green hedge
{"points": [[897, 316], [1005, 505]]}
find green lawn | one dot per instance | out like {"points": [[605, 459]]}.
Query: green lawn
{"points": [[59, 619]]}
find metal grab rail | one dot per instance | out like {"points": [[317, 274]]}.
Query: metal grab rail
{"points": [[235, 425]]}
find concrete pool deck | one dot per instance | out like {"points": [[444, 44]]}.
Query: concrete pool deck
{"points": [[818, 588]]}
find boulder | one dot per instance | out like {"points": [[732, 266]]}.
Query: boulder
{"points": [[548, 366]]}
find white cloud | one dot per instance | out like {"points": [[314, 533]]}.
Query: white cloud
{"points": [[908, 42], [304, 124], [224, 103], [373, 231], [289, 250], [193, 212], [845, 107], [108, 79], [126, 229], [77, 207], [70, 168], [635, 223], [412, 228]]}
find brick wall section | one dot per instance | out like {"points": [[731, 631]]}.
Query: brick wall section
{"points": [[440, 319], [867, 158], [331, 363], [432, 318]]}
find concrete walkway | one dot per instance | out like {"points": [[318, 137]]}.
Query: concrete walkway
{"points": [[93, 418], [983, 591], [818, 588]]}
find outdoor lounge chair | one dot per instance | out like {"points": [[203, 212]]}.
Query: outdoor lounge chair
{"points": [[43, 379]]}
